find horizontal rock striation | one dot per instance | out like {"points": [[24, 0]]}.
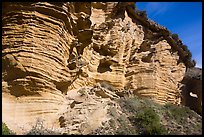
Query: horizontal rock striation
{"points": [[51, 50], [36, 42]]}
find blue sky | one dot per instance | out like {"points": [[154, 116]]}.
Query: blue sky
{"points": [[182, 18]]}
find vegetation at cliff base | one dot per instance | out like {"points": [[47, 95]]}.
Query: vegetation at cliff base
{"points": [[148, 122], [141, 116], [6, 130]]}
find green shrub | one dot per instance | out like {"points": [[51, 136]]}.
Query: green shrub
{"points": [[193, 62], [6, 130], [143, 13], [134, 7], [189, 54], [148, 122], [39, 129], [175, 36], [177, 113], [184, 47]]}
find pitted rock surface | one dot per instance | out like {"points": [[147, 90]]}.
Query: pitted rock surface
{"points": [[50, 51]]}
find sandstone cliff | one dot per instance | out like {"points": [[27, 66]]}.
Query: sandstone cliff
{"points": [[57, 57]]}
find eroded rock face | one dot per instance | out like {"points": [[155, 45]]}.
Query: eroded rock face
{"points": [[52, 50], [192, 89]]}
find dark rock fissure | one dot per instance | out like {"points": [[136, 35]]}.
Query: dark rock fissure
{"points": [[104, 66]]}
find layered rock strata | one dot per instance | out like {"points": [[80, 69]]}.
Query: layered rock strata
{"points": [[51, 50]]}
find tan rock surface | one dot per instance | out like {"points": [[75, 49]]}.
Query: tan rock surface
{"points": [[52, 50]]}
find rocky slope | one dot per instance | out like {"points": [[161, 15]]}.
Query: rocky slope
{"points": [[136, 116], [140, 116], [52, 52]]}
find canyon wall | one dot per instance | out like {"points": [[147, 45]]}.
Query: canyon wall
{"points": [[52, 50]]}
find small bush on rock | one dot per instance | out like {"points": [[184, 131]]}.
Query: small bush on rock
{"points": [[6, 130], [148, 122], [39, 129]]}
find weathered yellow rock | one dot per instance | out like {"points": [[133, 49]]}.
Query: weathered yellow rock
{"points": [[53, 49]]}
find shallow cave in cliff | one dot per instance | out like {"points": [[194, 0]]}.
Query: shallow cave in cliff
{"points": [[145, 46], [72, 66], [83, 7], [103, 50], [62, 86], [147, 58], [104, 66]]}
